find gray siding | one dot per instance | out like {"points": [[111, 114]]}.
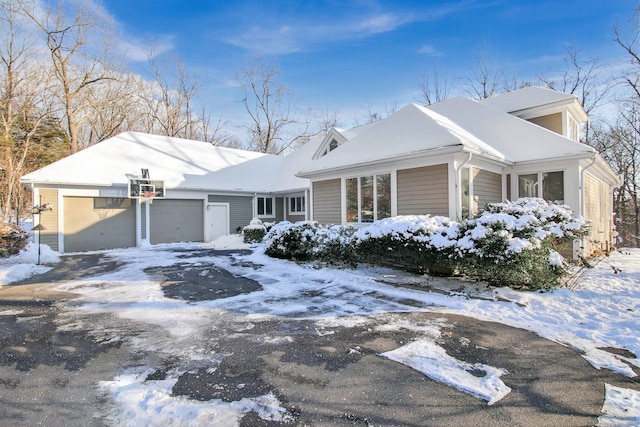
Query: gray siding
{"points": [[423, 191], [176, 220], [326, 201], [240, 210], [98, 223], [49, 219], [279, 201], [487, 188]]}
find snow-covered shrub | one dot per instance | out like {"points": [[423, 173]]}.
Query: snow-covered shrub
{"points": [[423, 242], [513, 244], [255, 231], [12, 239], [308, 240]]}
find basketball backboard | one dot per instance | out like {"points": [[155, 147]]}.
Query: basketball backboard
{"points": [[146, 188]]}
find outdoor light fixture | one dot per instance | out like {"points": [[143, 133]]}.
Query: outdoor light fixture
{"points": [[37, 210]]}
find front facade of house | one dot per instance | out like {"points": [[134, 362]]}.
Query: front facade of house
{"points": [[449, 159], [453, 158]]}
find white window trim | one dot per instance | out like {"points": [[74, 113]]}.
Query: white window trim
{"points": [[300, 212], [375, 196], [273, 207], [539, 184]]}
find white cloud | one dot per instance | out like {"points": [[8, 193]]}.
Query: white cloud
{"points": [[429, 50]]}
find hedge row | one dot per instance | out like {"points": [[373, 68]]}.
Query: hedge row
{"points": [[508, 244]]}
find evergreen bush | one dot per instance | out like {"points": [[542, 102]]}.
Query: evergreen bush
{"points": [[12, 239]]}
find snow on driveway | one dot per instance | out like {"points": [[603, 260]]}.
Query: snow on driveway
{"points": [[602, 312]]}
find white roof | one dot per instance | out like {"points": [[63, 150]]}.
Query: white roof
{"points": [[458, 122], [181, 163], [528, 97]]}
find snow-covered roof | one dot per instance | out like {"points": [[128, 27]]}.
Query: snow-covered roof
{"points": [[457, 123], [181, 163], [533, 101]]}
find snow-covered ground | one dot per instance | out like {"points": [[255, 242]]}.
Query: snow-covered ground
{"points": [[603, 310]]}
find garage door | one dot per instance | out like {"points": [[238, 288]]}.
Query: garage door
{"points": [[173, 220], [94, 223]]}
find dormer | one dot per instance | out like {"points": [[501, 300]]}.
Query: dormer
{"points": [[331, 141], [556, 111]]}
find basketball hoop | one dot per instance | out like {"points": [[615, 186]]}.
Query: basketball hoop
{"points": [[147, 197]]}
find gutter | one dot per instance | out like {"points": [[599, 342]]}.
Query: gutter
{"points": [[444, 149]]}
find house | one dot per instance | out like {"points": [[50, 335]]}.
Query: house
{"points": [[450, 158], [201, 192], [454, 157]]}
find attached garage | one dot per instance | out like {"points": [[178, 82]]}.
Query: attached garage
{"points": [[95, 223], [176, 220]]}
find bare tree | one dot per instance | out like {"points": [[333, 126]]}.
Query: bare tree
{"points": [[434, 87], [487, 76], [580, 77], [79, 51], [23, 102], [275, 123]]}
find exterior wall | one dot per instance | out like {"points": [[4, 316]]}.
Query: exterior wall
{"points": [[280, 209], [327, 206], [597, 210], [174, 220], [423, 190], [293, 217], [49, 219], [95, 223], [553, 122], [240, 210], [487, 188]]}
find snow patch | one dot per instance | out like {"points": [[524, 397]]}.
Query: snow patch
{"points": [[621, 407], [433, 361]]}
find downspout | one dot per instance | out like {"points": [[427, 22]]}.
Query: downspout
{"points": [[578, 244], [457, 188]]}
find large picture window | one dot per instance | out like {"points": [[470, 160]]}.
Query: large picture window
{"points": [[265, 206], [552, 189], [368, 198]]}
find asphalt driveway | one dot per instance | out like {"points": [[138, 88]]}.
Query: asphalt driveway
{"points": [[324, 373]]}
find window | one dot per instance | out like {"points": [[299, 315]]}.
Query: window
{"points": [[552, 188], [265, 206], [333, 145], [368, 198], [465, 184], [352, 199], [296, 205], [528, 185]]}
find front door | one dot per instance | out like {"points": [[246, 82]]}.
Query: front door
{"points": [[218, 220]]}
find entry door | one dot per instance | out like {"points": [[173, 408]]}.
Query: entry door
{"points": [[218, 218]]}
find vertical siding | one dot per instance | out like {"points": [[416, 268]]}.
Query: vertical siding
{"points": [[487, 188], [49, 219], [423, 190], [326, 201], [596, 210], [552, 122], [240, 210]]}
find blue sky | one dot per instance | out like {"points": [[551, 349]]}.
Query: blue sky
{"points": [[346, 56]]}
